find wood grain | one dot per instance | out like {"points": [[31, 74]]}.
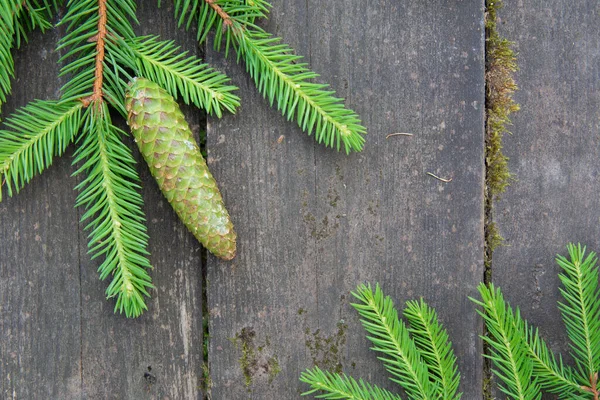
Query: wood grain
{"points": [[313, 223], [40, 317]]}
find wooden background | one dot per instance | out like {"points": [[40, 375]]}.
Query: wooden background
{"points": [[313, 223]]}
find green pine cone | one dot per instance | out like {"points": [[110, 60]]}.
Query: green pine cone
{"points": [[166, 142]]}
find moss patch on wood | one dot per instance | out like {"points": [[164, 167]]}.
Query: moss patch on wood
{"points": [[254, 360], [326, 350]]}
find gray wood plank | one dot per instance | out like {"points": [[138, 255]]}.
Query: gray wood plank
{"points": [[158, 355], [553, 153], [313, 224], [39, 259]]}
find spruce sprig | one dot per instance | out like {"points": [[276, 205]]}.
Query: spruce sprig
{"points": [[109, 191], [553, 375], [279, 74], [581, 308], [419, 356], [509, 352], [432, 341], [101, 52], [182, 75], [110, 194], [40, 131], [17, 19], [523, 358]]}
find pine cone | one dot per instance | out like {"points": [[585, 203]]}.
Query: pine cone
{"points": [[166, 142]]}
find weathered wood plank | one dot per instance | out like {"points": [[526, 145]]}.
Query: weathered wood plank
{"points": [[313, 224], [59, 336], [553, 154], [39, 261], [158, 355]]}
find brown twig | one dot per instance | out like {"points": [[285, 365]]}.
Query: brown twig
{"points": [[224, 16], [398, 134], [99, 38], [440, 179]]}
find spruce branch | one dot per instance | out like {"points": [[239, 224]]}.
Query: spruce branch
{"points": [[553, 375], [277, 72], [182, 75], [7, 66], [110, 194], [110, 189], [100, 53], [390, 336], [432, 341], [508, 350], [581, 308], [40, 131], [280, 75], [580, 312], [342, 387]]}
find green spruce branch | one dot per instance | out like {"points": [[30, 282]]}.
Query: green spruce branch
{"points": [[110, 195], [100, 52], [524, 364], [432, 341], [183, 75], [508, 350], [279, 74], [418, 356], [40, 131]]}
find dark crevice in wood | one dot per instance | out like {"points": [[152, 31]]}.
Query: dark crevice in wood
{"points": [[487, 221]]}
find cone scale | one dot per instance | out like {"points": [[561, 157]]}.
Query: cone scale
{"points": [[173, 156]]}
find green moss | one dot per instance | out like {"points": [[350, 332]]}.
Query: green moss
{"points": [[493, 239], [205, 381], [333, 197], [500, 87], [274, 368], [325, 350], [253, 361], [247, 361]]}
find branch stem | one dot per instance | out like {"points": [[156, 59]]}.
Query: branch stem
{"points": [[97, 94], [224, 16], [593, 389]]}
